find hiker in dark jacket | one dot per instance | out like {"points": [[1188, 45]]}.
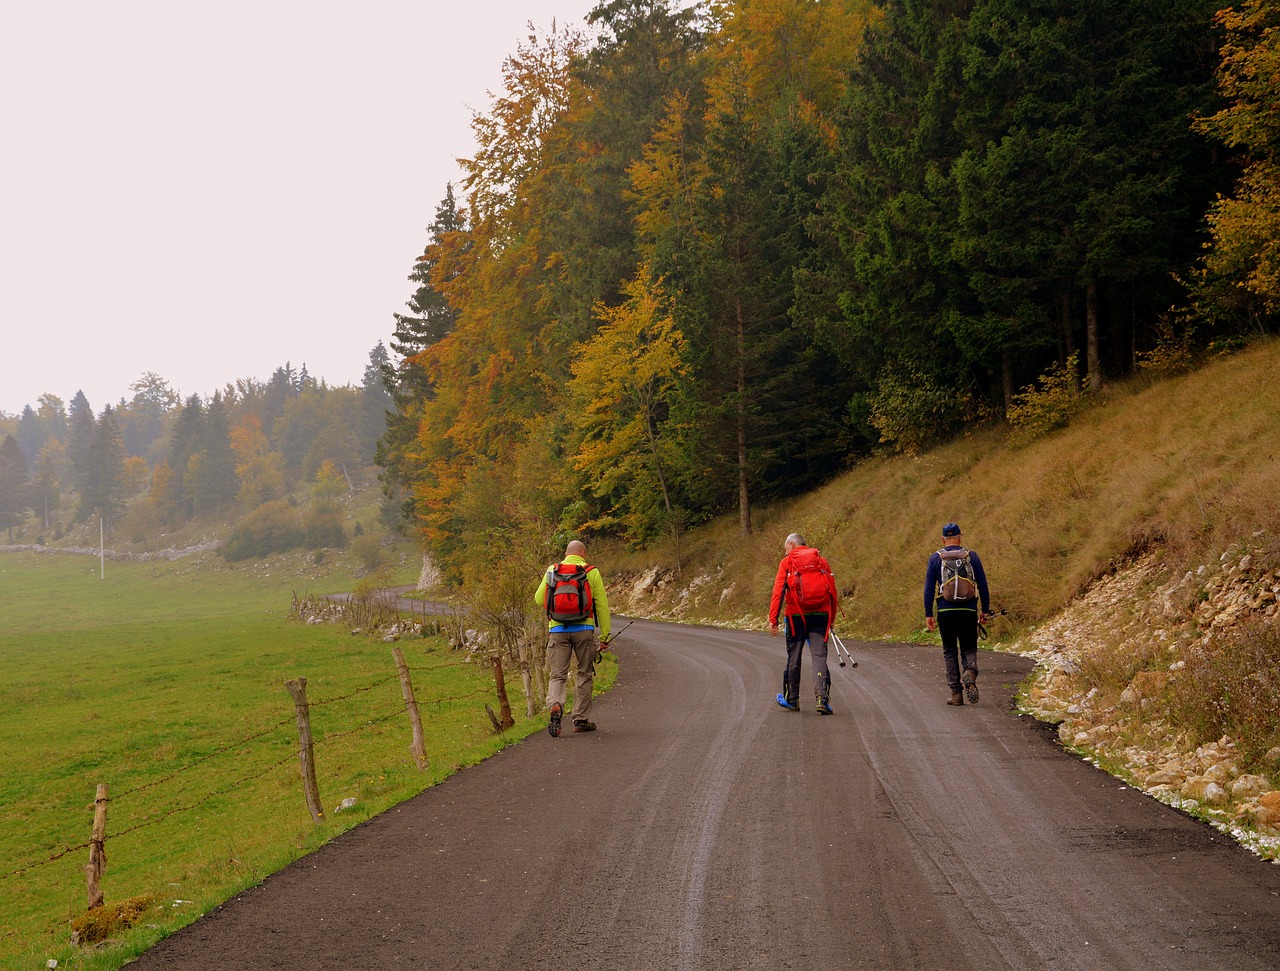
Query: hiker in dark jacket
{"points": [[961, 601], [808, 622]]}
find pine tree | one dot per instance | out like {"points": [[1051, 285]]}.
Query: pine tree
{"points": [[209, 484], [101, 484], [14, 485]]}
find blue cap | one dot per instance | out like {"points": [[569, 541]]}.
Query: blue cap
{"points": [[951, 529]]}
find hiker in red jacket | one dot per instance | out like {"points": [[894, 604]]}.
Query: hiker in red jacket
{"points": [[805, 592]]}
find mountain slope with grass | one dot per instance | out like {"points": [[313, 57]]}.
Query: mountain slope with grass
{"points": [[1133, 551]]}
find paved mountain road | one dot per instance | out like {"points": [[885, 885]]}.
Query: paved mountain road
{"points": [[705, 827]]}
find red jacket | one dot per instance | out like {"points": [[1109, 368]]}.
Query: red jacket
{"points": [[780, 589]]}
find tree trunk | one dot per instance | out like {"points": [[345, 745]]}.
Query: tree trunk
{"points": [[1091, 319], [504, 703], [1068, 336], [744, 501], [1006, 377]]}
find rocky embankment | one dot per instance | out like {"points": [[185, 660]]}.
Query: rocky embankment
{"points": [[1137, 619]]}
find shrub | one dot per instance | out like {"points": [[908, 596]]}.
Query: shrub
{"points": [[1037, 412], [912, 410], [322, 528], [1173, 352], [368, 551], [1233, 688], [271, 528]]}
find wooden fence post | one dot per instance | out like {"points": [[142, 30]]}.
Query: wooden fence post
{"points": [[97, 848], [306, 750], [504, 703], [418, 745]]}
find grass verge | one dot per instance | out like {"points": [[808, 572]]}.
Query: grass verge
{"points": [[168, 686]]}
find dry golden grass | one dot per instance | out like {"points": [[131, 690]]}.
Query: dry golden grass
{"points": [[1186, 465]]}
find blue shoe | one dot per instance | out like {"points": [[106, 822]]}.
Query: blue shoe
{"points": [[824, 708], [789, 705]]}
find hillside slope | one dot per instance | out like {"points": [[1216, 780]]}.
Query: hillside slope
{"points": [[1134, 552]]}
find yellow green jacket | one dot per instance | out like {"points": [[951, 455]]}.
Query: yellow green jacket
{"points": [[599, 599]]}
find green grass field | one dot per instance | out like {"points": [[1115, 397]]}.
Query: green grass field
{"points": [[166, 683]]}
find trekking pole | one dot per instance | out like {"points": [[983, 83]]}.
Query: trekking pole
{"points": [[842, 652], [982, 630], [614, 636]]}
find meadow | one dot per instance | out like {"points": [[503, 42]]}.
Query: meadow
{"points": [[166, 681]]}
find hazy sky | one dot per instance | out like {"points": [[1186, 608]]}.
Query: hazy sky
{"points": [[208, 191]]}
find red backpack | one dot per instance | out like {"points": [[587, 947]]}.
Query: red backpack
{"points": [[569, 598], [810, 585]]}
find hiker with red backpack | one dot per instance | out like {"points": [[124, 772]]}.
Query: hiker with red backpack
{"points": [[804, 592], [573, 595], [955, 585]]}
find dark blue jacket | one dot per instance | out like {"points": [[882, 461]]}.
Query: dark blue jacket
{"points": [[933, 576]]}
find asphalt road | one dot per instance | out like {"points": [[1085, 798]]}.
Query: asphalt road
{"points": [[704, 827]]}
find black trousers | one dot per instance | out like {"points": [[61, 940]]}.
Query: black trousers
{"points": [[959, 629]]}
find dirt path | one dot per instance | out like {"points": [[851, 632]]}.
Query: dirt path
{"points": [[704, 827]]}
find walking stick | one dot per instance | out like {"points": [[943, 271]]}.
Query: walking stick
{"points": [[842, 652]]}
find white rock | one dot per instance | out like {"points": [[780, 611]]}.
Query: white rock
{"points": [[1249, 785]]}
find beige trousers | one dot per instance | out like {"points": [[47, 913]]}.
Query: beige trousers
{"points": [[580, 645]]}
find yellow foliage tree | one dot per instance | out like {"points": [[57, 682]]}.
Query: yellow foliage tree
{"points": [[620, 395], [1245, 228]]}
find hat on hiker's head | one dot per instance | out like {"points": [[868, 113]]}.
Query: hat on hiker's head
{"points": [[951, 529]]}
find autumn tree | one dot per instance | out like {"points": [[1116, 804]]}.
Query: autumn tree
{"points": [[1240, 275], [619, 407], [430, 320], [164, 495]]}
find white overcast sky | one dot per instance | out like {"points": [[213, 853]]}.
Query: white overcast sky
{"points": [[210, 190]]}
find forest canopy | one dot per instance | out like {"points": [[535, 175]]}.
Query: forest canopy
{"points": [[707, 256]]}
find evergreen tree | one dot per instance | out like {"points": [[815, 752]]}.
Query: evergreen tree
{"points": [[14, 492], [209, 484], [432, 319], [886, 232], [1082, 176], [188, 431], [45, 483], [80, 437], [645, 51], [101, 485], [376, 403], [29, 435]]}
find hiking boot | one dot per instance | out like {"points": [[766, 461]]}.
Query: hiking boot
{"points": [[553, 726], [584, 726], [789, 705], [956, 698], [824, 707], [970, 682]]}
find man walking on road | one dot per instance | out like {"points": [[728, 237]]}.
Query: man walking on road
{"points": [[956, 584], [805, 592], [572, 593]]}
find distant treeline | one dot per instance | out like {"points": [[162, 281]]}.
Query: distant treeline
{"points": [[706, 257], [154, 461]]}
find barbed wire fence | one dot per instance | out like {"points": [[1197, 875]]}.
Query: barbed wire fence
{"points": [[368, 615]]}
